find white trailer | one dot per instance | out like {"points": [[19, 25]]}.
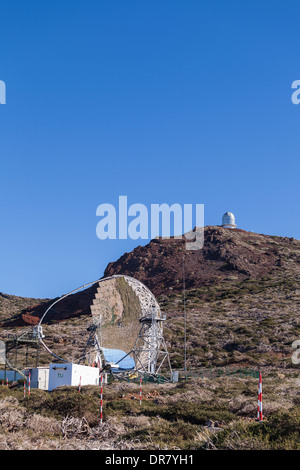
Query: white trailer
{"points": [[72, 374], [39, 376]]}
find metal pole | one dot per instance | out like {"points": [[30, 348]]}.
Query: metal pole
{"points": [[16, 360], [140, 391], [38, 355], [259, 405], [101, 399], [184, 311], [26, 356]]}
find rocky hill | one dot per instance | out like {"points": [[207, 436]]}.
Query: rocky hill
{"points": [[242, 296], [227, 254], [12, 305], [242, 314], [242, 299], [29, 311]]}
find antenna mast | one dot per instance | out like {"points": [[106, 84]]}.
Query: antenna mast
{"points": [[184, 311]]}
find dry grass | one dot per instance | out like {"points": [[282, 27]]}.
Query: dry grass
{"points": [[202, 413]]}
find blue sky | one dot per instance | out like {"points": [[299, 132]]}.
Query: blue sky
{"points": [[163, 101]]}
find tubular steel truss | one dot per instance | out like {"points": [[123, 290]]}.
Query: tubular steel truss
{"points": [[150, 349], [14, 343]]}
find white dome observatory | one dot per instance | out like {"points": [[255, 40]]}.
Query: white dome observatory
{"points": [[228, 220]]}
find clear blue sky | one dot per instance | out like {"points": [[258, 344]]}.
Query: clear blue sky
{"points": [[160, 100]]}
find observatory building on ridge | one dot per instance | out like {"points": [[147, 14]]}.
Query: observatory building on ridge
{"points": [[228, 220]]}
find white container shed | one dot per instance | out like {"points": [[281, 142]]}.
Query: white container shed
{"points": [[39, 377], [72, 374]]}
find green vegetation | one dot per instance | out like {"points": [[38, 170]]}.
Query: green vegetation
{"points": [[242, 315], [281, 431], [130, 301], [203, 413]]}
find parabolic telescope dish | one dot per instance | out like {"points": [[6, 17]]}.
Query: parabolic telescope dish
{"points": [[126, 326]]}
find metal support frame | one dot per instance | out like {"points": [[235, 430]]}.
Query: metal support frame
{"points": [[94, 341], [13, 343], [150, 349]]}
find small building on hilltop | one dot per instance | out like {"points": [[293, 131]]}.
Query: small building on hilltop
{"points": [[228, 220]]}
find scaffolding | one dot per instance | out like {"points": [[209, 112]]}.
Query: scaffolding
{"points": [[150, 349], [13, 342]]}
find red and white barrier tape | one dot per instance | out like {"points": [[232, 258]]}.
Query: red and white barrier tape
{"points": [[259, 405], [140, 390], [101, 399]]}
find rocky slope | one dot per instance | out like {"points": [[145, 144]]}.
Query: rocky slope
{"points": [[12, 305], [242, 298], [234, 255], [226, 254], [31, 311]]}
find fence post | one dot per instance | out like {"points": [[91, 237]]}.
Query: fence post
{"points": [[141, 391], [259, 405], [29, 385], [101, 398]]}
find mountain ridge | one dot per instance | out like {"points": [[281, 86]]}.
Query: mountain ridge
{"points": [[233, 255]]}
